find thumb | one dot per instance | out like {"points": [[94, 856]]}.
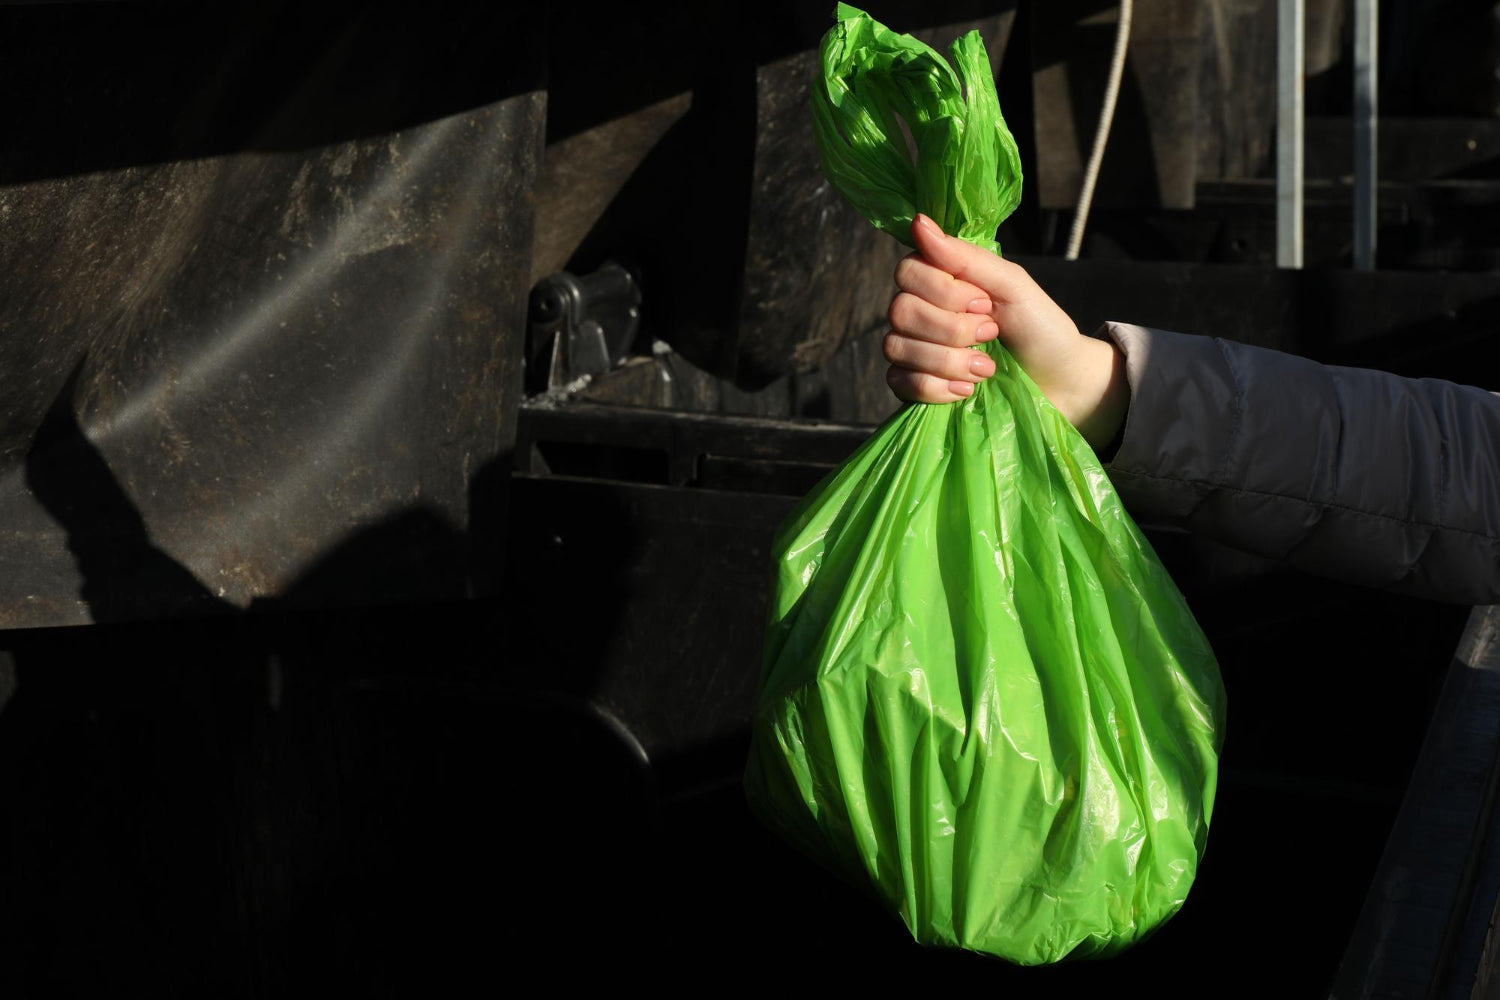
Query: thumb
{"points": [[963, 260]]}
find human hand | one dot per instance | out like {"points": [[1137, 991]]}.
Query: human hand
{"points": [[954, 295]]}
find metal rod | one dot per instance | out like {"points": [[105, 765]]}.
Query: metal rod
{"points": [[1101, 131], [1366, 96], [1291, 34]]}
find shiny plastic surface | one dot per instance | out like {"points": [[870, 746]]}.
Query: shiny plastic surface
{"points": [[983, 696], [877, 87]]}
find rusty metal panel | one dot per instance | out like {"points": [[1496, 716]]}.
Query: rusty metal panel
{"points": [[264, 276]]}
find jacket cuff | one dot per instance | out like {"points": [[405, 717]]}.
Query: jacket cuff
{"points": [[1176, 382], [1171, 376]]}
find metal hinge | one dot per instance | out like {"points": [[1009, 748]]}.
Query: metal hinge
{"points": [[580, 326]]}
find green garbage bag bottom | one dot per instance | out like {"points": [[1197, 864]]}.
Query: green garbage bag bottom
{"points": [[983, 696]]}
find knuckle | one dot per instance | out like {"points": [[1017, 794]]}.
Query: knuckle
{"points": [[957, 363], [900, 384], [895, 348], [906, 269], [900, 313], [963, 329]]}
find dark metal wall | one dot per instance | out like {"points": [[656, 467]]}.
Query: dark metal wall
{"points": [[263, 274]]}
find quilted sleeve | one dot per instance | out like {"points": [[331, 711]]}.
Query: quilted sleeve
{"points": [[1344, 472]]}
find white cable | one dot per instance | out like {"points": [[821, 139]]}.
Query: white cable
{"points": [[1101, 132]]}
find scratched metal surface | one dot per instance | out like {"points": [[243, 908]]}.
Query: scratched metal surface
{"points": [[262, 284]]}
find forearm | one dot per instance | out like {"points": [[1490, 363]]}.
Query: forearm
{"points": [[1348, 473]]}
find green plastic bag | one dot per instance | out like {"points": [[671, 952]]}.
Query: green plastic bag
{"points": [[983, 697]]}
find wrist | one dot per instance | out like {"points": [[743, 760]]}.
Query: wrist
{"points": [[1101, 393]]}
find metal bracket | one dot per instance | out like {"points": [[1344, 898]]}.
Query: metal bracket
{"points": [[580, 326]]}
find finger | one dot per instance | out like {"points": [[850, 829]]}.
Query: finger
{"points": [[1001, 279], [914, 316], [915, 275], [918, 387], [955, 364]]}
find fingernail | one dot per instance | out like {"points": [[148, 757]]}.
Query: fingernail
{"points": [[980, 306], [961, 388], [926, 223], [982, 366], [986, 331]]}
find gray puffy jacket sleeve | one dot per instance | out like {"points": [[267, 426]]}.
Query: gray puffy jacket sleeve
{"points": [[1344, 472]]}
